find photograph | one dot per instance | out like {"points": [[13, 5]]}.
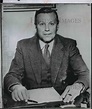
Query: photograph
{"points": [[46, 55]]}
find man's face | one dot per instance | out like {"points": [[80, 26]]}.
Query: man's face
{"points": [[46, 26]]}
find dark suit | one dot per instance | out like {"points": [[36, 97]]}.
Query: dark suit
{"points": [[65, 57]]}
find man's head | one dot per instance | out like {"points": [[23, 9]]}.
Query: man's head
{"points": [[46, 21]]}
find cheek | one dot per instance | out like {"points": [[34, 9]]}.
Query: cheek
{"points": [[40, 30], [54, 29]]}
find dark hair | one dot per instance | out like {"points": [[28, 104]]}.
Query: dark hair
{"points": [[46, 10]]}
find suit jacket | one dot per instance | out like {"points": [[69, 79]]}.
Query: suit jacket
{"points": [[66, 64]]}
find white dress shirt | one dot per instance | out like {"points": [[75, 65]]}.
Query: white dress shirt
{"points": [[42, 45]]}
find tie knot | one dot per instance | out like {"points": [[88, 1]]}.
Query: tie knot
{"points": [[46, 46]]}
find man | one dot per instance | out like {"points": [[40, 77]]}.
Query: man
{"points": [[47, 60]]}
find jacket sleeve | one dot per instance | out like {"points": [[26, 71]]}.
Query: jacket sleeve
{"points": [[79, 67], [16, 71]]}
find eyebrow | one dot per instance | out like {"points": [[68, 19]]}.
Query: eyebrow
{"points": [[49, 21]]}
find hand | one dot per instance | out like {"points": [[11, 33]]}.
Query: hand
{"points": [[71, 92], [19, 93]]}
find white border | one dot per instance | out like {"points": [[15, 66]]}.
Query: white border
{"points": [[47, 1]]}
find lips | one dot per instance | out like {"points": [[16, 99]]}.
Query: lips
{"points": [[47, 34]]}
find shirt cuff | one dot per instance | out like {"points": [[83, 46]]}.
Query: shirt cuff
{"points": [[83, 88]]}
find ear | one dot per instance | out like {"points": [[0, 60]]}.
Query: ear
{"points": [[57, 27], [36, 26]]}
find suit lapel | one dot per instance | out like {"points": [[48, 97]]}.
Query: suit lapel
{"points": [[36, 58], [56, 58]]}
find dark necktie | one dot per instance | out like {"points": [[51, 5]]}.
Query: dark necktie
{"points": [[46, 54]]}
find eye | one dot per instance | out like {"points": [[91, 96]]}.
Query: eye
{"points": [[52, 23], [41, 23]]}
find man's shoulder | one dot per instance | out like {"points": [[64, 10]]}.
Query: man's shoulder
{"points": [[26, 40], [66, 40]]}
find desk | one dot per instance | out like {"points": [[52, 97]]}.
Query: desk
{"points": [[8, 102]]}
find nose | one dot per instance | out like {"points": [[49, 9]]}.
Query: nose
{"points": [[47, 27]]}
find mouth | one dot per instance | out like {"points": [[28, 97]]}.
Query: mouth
{"points": [[47, 34]]}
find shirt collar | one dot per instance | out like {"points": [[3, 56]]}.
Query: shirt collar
{"points": [[42, 44]]}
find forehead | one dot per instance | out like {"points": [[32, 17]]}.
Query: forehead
{"points": [[46, 17]]}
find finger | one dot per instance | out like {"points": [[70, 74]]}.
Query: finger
{"points": [[16, 96], [67, 98], [74, 96], [20, 96], [24, 94], [74, 93], [13, 97], [65, 93]]}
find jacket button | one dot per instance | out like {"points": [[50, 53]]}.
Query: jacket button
{"points": [[63, 81]]}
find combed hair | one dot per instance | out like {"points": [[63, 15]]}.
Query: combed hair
{"points": [[46, 10]]}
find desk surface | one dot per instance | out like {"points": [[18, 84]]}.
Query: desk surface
{"points": [[8, 102]]}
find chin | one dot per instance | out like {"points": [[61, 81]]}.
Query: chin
{"points": [[47, 40]]}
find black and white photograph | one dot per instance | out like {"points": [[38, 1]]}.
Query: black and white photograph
{"points": [[46, 55]]}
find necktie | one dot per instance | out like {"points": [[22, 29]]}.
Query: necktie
{"points": [[46, 54]]}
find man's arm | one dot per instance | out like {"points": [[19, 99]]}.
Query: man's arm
{"points": [[78, 65], [13, 79], [80, 69]]}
